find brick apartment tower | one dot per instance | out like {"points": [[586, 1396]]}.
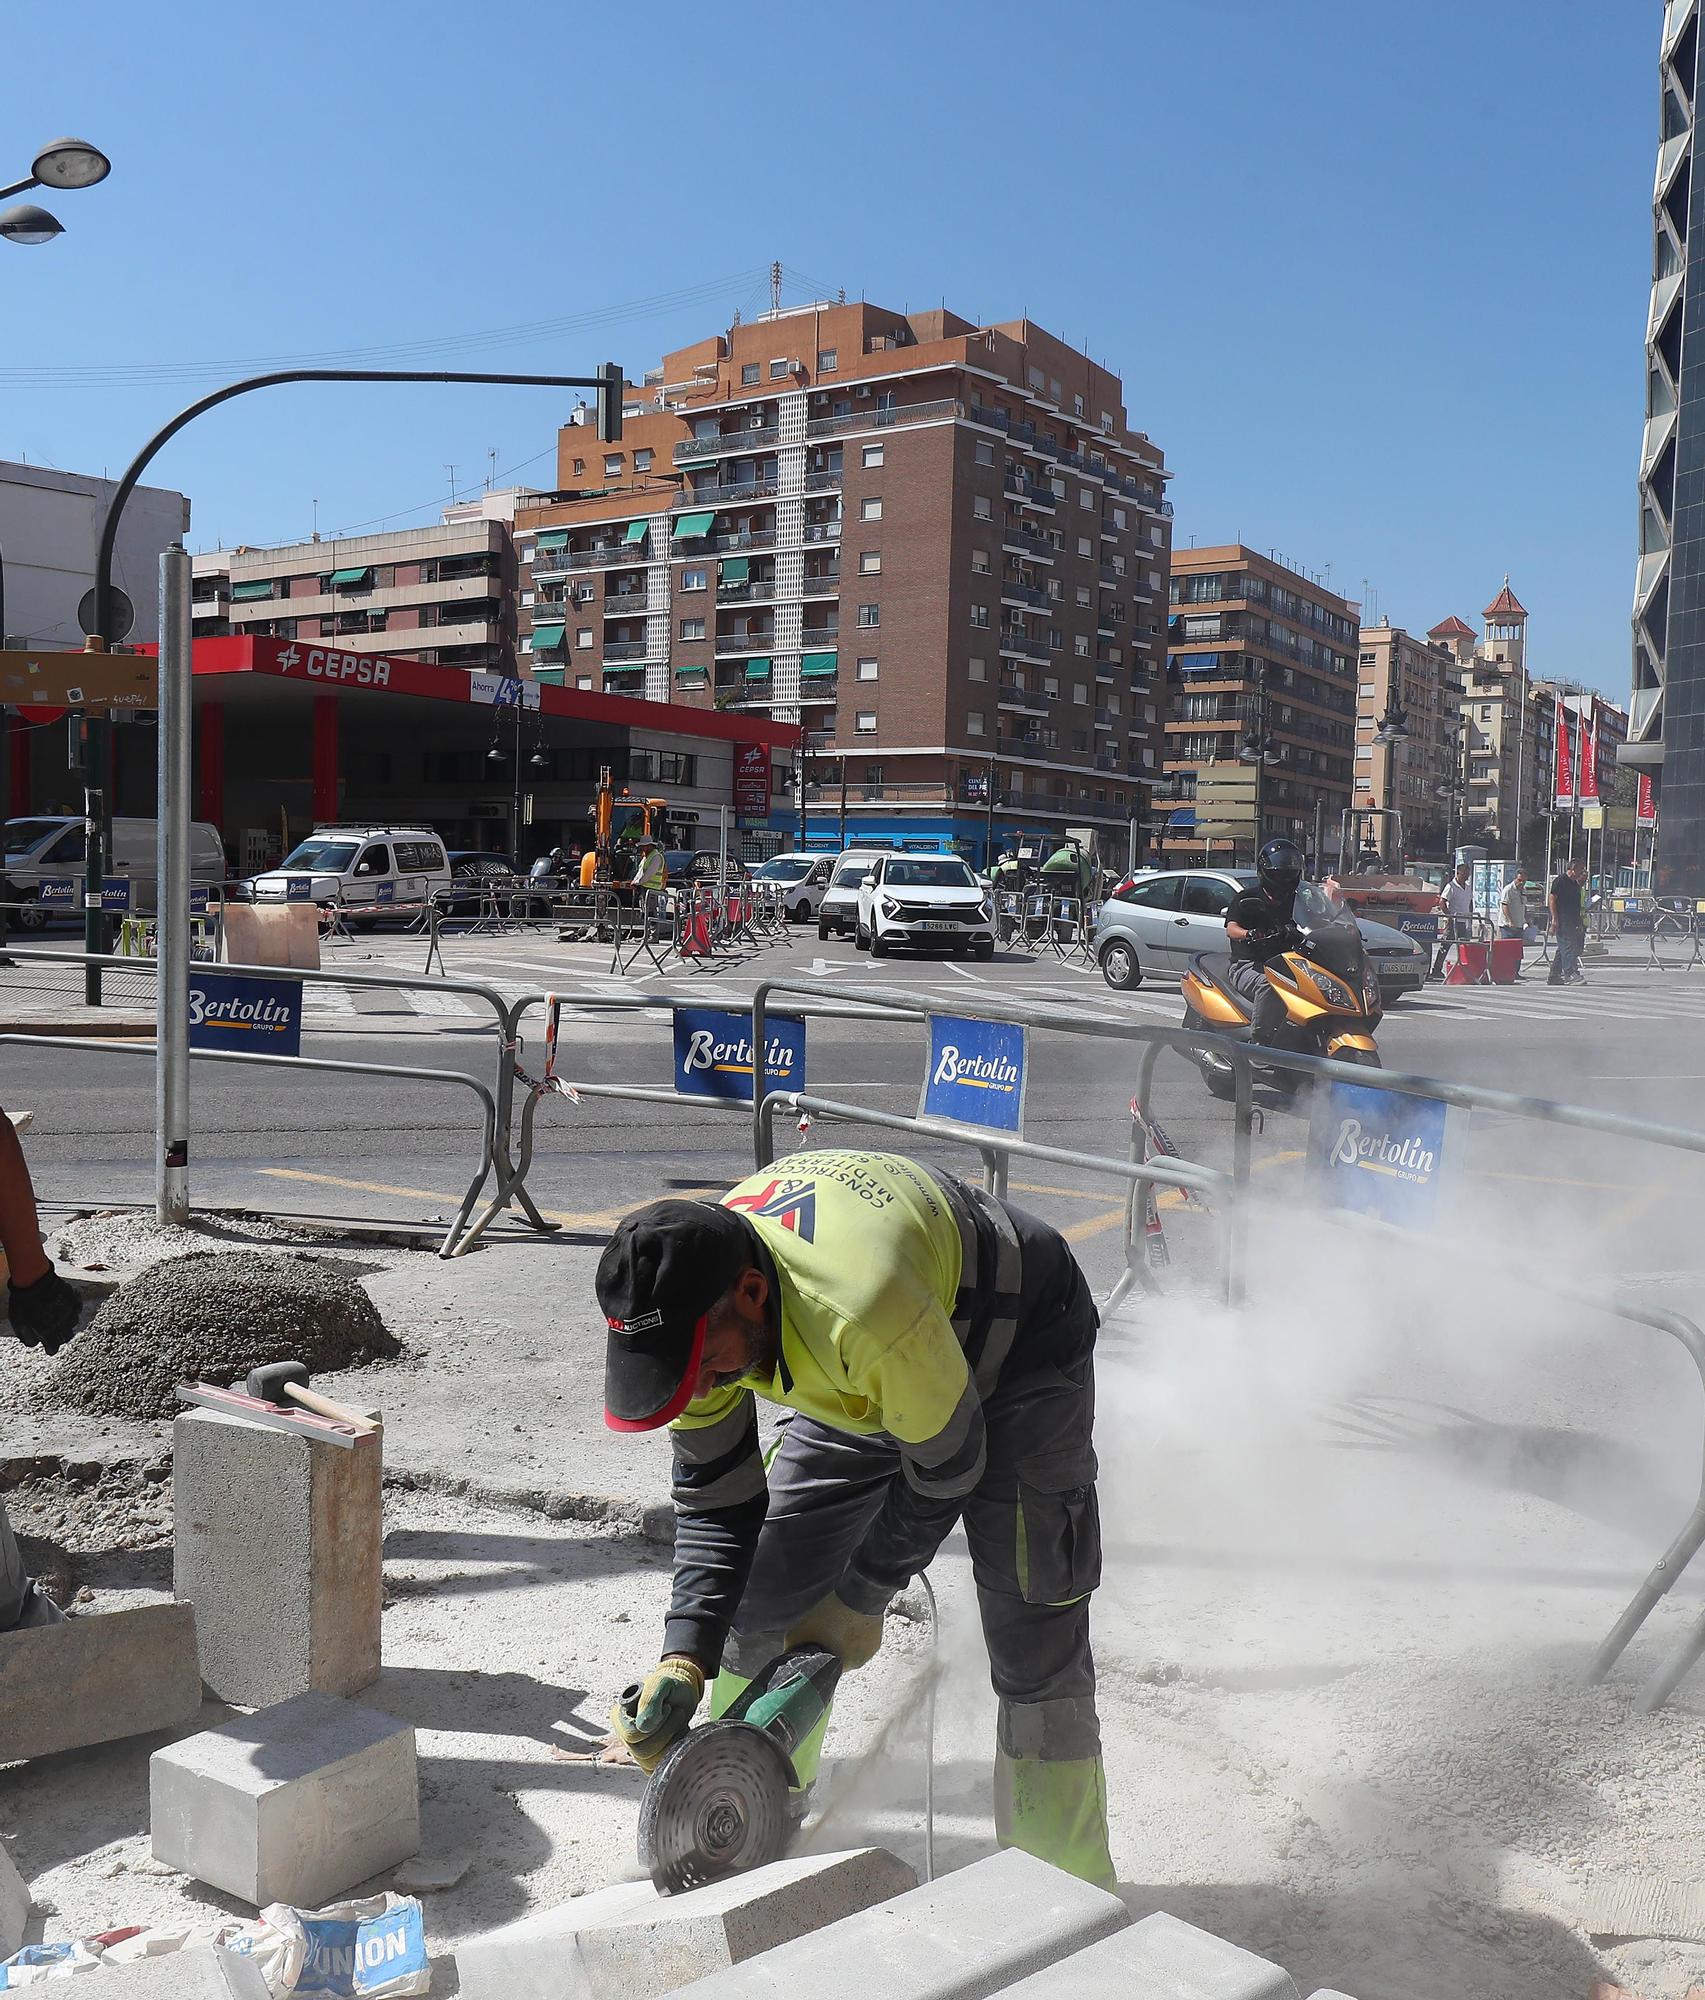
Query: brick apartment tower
{"points": [[940, 547], [1420, 776]]}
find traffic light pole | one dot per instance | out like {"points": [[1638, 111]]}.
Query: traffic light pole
{"points": [[608, 387]]}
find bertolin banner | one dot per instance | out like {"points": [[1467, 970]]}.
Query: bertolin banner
{"points": [[713, 1053], [976, 1072], [1377, 1152], [259, 1016]]}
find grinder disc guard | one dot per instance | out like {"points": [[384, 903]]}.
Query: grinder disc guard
{"points": [[716, 1805]]}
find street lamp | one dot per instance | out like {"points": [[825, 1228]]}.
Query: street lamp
{"points": [[1258, 746], [1391, 729], [65, 163]]}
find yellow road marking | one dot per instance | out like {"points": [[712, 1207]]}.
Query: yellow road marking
{"points": [[604, 1219]]}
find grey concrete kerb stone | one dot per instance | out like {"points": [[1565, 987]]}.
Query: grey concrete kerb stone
{"points": [[201, 1973], [93, 1680], [14, 1905], [1162, 1958], [627, 1942]]}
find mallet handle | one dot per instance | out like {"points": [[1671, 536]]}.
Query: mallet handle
{"points": [[323, 1406]]}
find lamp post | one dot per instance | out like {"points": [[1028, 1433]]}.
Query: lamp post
{"points": [[1258, 747], [64, 163], [1392, 729], [607, 384]]}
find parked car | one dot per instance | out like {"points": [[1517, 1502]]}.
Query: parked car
{"points": [[1154, 924], [927, 900], [50, 848], [366, 869], [838, 911], [472, 872], [804, 877]]}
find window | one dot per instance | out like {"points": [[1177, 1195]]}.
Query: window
{"points": [[613, 462], [870, 510], [694, 579], [870, 615], [580, 468], [1080, 645], [975, 722], [692, 628], [1118, 517], [1083, 545], [1050, 685], [1056, 639], [1077, 406], [778, 371], [1365, 689], [865, 724], [748, 374], [867, 670], [977, 670], [980, 509], [985, 452], [828, 360], [583, 637], [870, 562], [642, 461], [980, 616], [979, 562], [872, 456], [528, 597], [1204, 897], [1080, 694], [1084, 497], [1486, 712], [1154, 895], [1080, 739], [1083, 595]]}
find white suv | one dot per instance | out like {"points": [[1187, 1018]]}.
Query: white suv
{"points": [[925, 899], [363, 868]]}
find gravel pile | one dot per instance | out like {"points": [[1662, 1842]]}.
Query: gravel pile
{"points": [[211, 1318]]}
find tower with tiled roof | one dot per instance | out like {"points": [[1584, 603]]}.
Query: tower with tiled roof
{"points": [[1506, 628]]}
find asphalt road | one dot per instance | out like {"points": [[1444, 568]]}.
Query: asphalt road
{"points": [[390, 1149]]}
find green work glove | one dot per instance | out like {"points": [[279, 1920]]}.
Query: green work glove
{"points": [[852, 1636], [662, 1711]]}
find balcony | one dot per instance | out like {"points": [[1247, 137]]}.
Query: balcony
{"points": [[557, 563], [1020, 646], [745, 538], [1022, 700], [1021, 542], [746, 593], [1105, 719], [624, 603], [812, 638], [884, 419], [1108, 760], [718, 495], [729, 644], [625, 649], [820, 688], [1024, 593], [824, 583], [822, 482], [624, 683], [1028, 494], [821, 531], [726, 444]]}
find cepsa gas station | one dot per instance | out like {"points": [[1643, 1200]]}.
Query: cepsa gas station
{"points": [[289, 736]]}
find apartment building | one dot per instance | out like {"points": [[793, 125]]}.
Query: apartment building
{"points": [[1417, 684], [443, 595], [1261, 670], [939, 548], [1507, 736]]}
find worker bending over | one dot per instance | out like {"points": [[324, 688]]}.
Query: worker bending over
{"points": [[938, 1346]]}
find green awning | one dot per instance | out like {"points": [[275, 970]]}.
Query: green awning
{"points": [[546, 638], [249, 593], [637, 531], [692, 673], [690, 526], [556, 539], [551, 676], [735, 569], [815, 665], [623, 667], [351, 575], [757, 670]]}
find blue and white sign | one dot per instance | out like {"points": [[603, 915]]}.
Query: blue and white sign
{"points": [[1422, 927], [379, 1953], [976, 1072], [198, 900], [714, 1058], [1377, 1152], [384, 892], [62, 891], [299, 889], [260, 1016]]}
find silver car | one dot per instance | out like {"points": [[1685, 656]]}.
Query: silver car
{"points": [[1155, 923], [838, 911]]}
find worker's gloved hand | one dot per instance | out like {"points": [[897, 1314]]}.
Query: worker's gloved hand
{"points": [[44, 1314], [662, 1713], [854, 1637]]}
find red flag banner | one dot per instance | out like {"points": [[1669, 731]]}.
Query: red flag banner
{"points": [[1589, 756], [1564, 790], [1646, 806]]}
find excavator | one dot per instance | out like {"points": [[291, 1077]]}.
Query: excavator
{"points": [[620, 821]]}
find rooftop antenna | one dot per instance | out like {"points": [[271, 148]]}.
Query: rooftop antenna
{"points": [[775, 286], [491, 467], [452, 472], [315, 504]]}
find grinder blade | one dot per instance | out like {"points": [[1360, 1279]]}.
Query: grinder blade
{"points": [[716, 1805]]}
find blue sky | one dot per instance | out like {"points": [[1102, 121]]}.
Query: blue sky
{"points": [[1375, 275]]}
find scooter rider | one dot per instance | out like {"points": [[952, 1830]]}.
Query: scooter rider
{"points": [[1260, 925]]}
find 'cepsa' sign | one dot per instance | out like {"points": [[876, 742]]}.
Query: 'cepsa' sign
{"points": [[752, 780], [320, 665]]}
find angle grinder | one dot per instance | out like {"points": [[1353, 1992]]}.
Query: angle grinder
{"points": [[718, 1802]]}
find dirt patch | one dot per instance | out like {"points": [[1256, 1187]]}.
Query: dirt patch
{"points": [[83, 1529], [211, 1318]]}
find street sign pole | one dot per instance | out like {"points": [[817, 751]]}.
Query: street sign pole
{"points": [[171, 1029]]}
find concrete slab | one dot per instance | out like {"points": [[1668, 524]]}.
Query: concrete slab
{"points": [[962, 1937], [14, 1905], [277, 1543], [93, 1680], [627, 1942], [201, 1973], [294, 1804], [1161, 1958]]}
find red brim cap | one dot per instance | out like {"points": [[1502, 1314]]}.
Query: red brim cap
{"points": [[646, 1382]]}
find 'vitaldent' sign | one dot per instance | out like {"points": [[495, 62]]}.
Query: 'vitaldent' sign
{"points": [[976, 1072]]}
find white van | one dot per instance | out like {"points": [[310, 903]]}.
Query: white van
{"points": [[367, 869], [50, 848], [802, 878]]}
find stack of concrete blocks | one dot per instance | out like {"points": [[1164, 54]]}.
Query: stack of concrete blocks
{"points": [[278, 1544], [94, 1680], [627, 1942], [294, 1804]]}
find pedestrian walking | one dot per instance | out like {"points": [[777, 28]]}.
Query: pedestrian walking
{"points": [[1456, 914], [1512, 907], [1568, 927], [938, 1347]]}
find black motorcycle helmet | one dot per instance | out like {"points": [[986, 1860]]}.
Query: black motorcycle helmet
{"points": [[1280, 868]]}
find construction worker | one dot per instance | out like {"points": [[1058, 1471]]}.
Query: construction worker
{"points": [[653, 869], [1068, 871], [938, 1347]]}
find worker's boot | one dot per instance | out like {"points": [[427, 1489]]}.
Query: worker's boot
{"points": [[44, 1314], [1050, 1789]]}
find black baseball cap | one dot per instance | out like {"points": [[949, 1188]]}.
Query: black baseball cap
{"points": [[659, 1276]]}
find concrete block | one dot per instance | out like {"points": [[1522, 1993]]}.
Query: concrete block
{"points": [[294, 1804], [14, 1905], [92, 1680], [203, 1972], [1162, 1958], [962, 1937], [627, 1942], [277, 1543]]}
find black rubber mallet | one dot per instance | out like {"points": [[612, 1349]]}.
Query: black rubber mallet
{"points": [[281, 1380]]}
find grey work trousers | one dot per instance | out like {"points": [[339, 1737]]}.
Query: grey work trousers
{"points": [[21, 1603]]}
